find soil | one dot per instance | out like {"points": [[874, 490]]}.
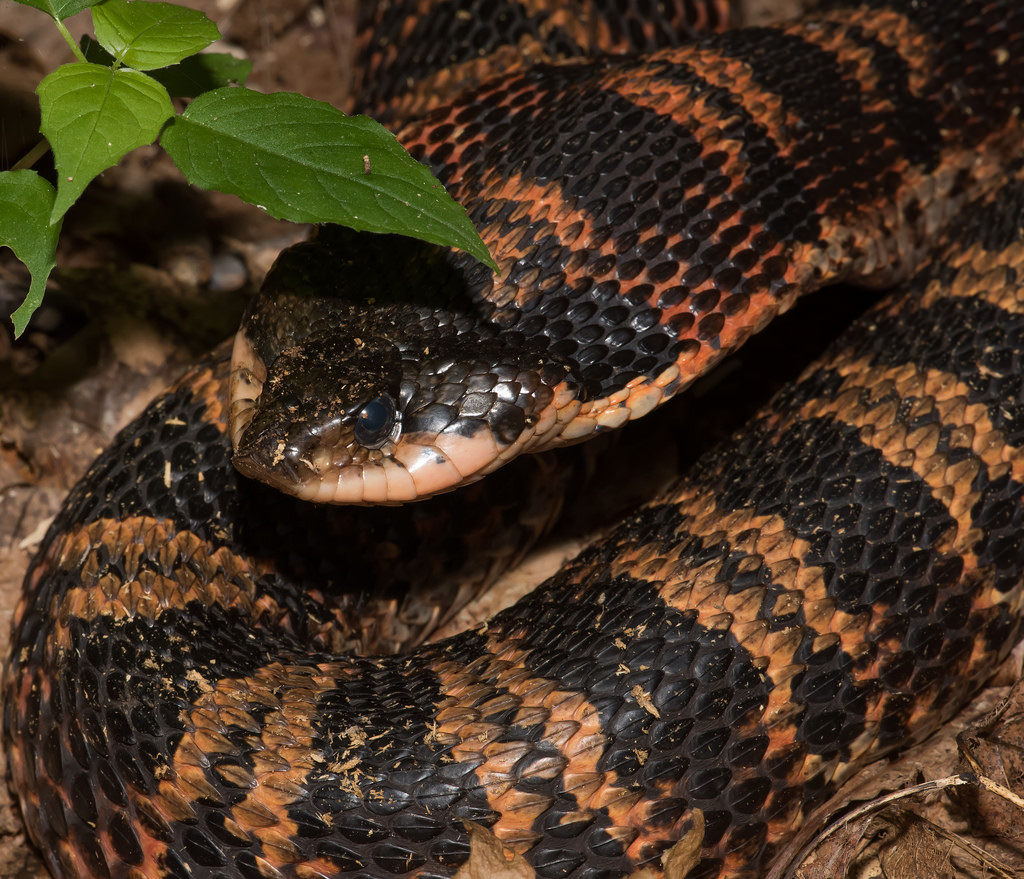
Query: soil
{"points": [[153, 273]]}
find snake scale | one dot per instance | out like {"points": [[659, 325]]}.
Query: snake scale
{"points": [[825, 587]]}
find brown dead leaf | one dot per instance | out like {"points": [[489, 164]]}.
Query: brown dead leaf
{"points": [[915, 849], [918, 849], [994, 750], [833, 857], [863, 832], [682, 857], [685, 854], [901, 844], [490, 859]]}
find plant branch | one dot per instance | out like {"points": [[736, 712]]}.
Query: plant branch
{"points": [[70, 40], [32, 156]]}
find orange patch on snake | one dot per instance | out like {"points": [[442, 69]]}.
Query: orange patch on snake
{"points": [[991, 276], [286, 697], [645, 87], [552, 216], [571, 726], [165, 569], [767, 543], [869, 398], [159, 568], [208, 385], [891, 30]]}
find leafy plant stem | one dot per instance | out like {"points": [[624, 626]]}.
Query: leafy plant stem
{"points": [[32, 156], [70, 40], [296, 158]]}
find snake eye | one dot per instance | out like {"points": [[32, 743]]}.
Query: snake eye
{"points": [[375, 422]]}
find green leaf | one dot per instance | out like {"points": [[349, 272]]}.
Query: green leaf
{"points": [[305, 161], [147, 36], [25, 204], [193, 76], [203, 73], [92, 116], [59, 9]]}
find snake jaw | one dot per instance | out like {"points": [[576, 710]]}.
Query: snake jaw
{"points": [[435, 448], [245, 384], [297, 414]]}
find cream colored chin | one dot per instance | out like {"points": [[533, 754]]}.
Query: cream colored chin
{"points": [[248, 373], [413, 471]]}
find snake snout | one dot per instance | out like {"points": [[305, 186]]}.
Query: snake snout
{"points": [[317, 416]]}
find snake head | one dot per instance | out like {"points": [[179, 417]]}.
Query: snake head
{"points": [[367, 405]]}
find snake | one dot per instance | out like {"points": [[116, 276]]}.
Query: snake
{"points": [[826, 587]]}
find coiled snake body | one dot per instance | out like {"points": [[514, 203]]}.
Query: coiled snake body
{"points": [[824, 588]]}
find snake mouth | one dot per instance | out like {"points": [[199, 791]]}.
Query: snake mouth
{"points": [[321, 469], [366, 453], [326, 464]]}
